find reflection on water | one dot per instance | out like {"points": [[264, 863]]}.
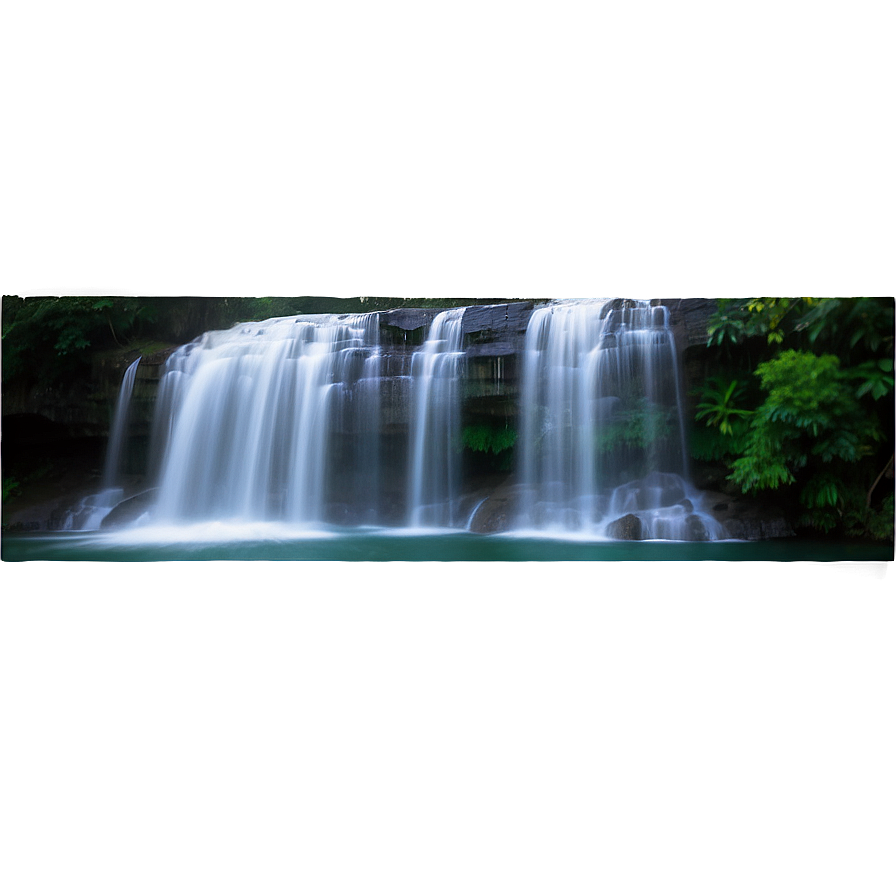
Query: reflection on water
{"points": [[370, 727]]}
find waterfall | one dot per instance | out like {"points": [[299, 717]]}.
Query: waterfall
{"points": [[271, 421], [118, 432], [314, 419], [602, 431], [435, 432], [91, 511]]}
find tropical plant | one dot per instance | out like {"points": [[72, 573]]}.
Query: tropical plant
{"points": [[816, 430], [719, 405]]}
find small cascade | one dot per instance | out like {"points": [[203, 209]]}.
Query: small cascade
{"points": [[93, 509], [272, 421], [602, 425], [436, 372], [118, 432]]}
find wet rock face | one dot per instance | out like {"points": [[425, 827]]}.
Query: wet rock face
{"points": [[496, 515], [498, 323], [747, 518], [408, 319], [626, 528], [494, 507], [695, 529], [130, 509], [690, 317], [759, 529]]}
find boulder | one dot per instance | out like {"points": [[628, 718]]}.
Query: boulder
{"points": [[495, 506], [626, 528], [695, 528], [130, 509], [494, 515]]}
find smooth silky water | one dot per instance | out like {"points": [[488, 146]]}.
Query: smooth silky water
{"points": [[283, 422]]}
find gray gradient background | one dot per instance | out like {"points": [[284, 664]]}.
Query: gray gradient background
{"points": [[448, 148]]}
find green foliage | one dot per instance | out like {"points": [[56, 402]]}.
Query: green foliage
{"points": [[823, 490], [809, 411], [726, 421], [816, 431], [11, 486], [864, 324], [805, 391], [45, 338], [487, 438], [844, 326], [875, 378], [740, 319], [761, 468], [851, 511], [719, 406]]}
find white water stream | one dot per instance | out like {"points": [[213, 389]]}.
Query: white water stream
{"points": [[436, 370], [602, 424]]}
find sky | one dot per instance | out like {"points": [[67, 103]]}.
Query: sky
{"points": [[448, 148]]}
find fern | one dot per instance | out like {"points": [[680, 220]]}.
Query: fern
{"points": [[485, 438]]}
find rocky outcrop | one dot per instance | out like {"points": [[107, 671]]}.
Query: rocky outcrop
{"points": [[695, 528], [689, 318], [759, 529], [626, 528], [407, 319], [747, 518], [495, 508], [130, 509], [497, 323]]}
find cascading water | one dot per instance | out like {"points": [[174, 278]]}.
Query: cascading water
{"points": [[94, 508], [119, 428], [307, 420], [277, 421], [602, 426], [436, 372]]}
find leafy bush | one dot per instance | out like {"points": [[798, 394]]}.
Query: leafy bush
{"points": [[810, 415], [45, 339], [815, 429], [726, 422]]}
